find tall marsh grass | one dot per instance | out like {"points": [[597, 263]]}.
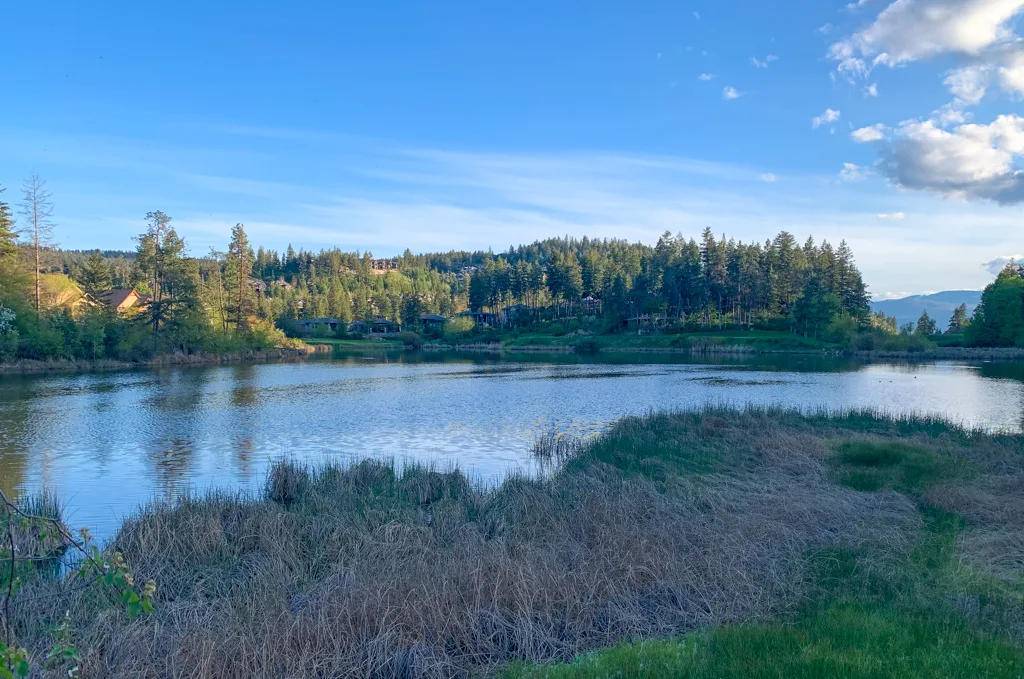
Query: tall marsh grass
{"points": [[669, 523]]}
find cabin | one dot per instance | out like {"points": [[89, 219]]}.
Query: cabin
{"points": [[123, 300], [310, 326], [382, 326], [430, 321], [358, 327], [383, 266], [482, 317]]}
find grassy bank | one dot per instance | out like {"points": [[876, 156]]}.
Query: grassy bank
{"points": [[730, 341], [27, 366], [355, 344], [706, 544]]}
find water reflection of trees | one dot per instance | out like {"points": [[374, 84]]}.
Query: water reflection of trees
{"points": [[15, 435]]}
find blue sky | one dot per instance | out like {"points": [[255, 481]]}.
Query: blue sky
{"points": [[446, 125]]}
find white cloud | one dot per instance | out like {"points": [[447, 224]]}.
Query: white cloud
{"points": [[829, 116], [999, 263], [868, 134], [731, 93], [706, 76], [892, 216], [826, 29], [974, 162], [768, 178], [757, 63], [853, 6], [851, 172], [909, 30], [968, 84], [1011, 74], [871, 90]]}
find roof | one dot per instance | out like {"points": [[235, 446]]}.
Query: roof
{"points": [[432, 317], [320, 321], [117, 297], [382, 320]]}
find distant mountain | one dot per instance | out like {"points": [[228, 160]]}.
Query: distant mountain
{"points": [[939, 306]]}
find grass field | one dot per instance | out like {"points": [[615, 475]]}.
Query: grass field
{"points": [[716, 543], [356, 344]]}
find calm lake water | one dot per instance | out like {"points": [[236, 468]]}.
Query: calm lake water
{"points": [[106, 442]]}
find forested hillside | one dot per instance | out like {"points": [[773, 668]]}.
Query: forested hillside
{"points": [[248, 297]]}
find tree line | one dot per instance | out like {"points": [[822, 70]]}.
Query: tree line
{"points": [[245, 298]]}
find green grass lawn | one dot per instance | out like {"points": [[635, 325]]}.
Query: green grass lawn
{"points": [[356, 344]]}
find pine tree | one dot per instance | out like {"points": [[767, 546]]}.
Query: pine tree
{"points": [[95, 276], [238, 278], [8, 236], [926, 325], [959, 321], [159, 259]]}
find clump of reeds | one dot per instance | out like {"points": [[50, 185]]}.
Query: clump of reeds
{"points": [[557, 447]]}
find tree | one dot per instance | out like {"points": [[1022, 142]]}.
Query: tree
{"points": [[999, 319], [37, 208], [959, 320], [926, 325], [159, 258], [8, 236], [95, 277], [238, 278]]}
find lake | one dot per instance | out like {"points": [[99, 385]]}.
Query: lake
{"points": [[106, 442]]}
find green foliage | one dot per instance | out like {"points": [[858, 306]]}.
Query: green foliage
{"points": [[95, 276], [926, 326], [999, 318]]}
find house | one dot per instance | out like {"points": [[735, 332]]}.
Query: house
{"points": [[382, 326], [382, 266], [482, 317], [312, 325], [123, 300], [429, 321], [358, 327]]}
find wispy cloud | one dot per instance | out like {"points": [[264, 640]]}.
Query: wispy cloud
{"points": [[731, 92], [769, 178], [892, 216], [696, 15], [828, 117], [706, 77], [759, 63], [852, 172]]}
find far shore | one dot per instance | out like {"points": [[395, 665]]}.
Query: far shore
{"points": [[317, 346], [27, 366]]}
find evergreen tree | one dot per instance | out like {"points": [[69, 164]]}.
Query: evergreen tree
{"points": [[959, 321], [159, 258], [926, 325], [8, 236], [241, 293], [95, 277]]}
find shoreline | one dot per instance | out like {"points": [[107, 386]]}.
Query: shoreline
{"points": [[32, 367], [939, 354]]}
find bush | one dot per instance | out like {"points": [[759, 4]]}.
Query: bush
{"points": [[410, 339]]}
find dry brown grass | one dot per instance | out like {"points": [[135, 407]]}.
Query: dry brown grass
{"points": [[358, 572]]}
